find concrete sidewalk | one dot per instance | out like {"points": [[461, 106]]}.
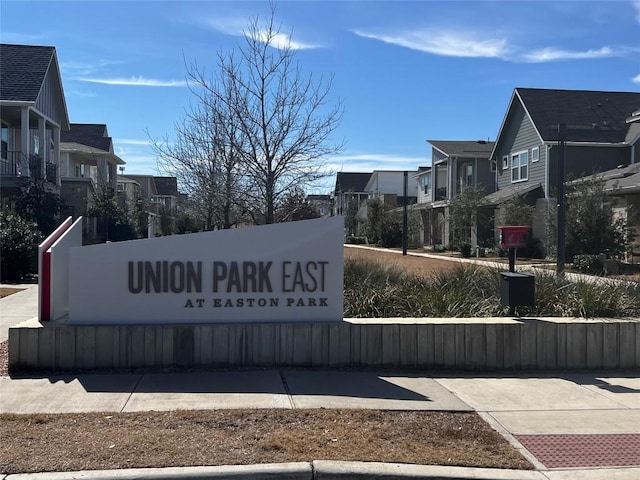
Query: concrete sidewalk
{"points": [[589, 409], [17, 307]]}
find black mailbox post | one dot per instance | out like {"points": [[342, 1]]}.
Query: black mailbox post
{"points": [[517, 289]]}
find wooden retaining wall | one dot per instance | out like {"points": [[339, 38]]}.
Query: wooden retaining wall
{"points": [[424, 344]]}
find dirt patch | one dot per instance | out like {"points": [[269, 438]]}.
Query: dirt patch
{"points": [[6, 291], [240, 437]]}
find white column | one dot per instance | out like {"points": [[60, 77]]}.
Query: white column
{"points": [[25, 145], [56, 152], [42, 147]]}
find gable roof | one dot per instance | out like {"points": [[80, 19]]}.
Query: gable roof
{"points": [[351, 182], [463, 148], [90, 134], [22, 71], [166, 185], [590, 116]]}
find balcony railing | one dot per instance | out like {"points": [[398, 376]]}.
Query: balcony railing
{"points": [[13, 163], [16, 165]]}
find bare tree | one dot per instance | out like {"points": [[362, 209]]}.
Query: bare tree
{"points": [[283, 114], [204, 154], [260, 129]]}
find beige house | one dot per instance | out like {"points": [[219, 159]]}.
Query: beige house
{"points": [[88, 165]]}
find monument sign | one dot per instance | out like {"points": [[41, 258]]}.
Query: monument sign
{"points": [[281, 272]]}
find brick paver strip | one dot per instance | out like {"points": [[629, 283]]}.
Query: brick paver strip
{"points": [[565, 451]]}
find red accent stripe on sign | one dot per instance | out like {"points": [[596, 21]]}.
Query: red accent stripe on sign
{"points": [[46, 287]]}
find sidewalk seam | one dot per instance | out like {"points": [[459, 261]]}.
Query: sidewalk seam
{"points": [[283, 379], [133, 390], [509, 437]]}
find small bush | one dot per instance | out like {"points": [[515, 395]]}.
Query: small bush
{"points": [[587, 264], [353, 240], [19, 241], [465, 250]]}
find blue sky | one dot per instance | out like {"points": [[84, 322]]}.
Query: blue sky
{"points": [[405, 72]]}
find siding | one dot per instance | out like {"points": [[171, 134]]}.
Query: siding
{"points": [[437, 156], [519, 134], [581, 161], [50, 101], [486, 179], [422, 196]]}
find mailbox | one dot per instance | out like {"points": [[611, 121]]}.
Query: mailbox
{"points": [[513, 236], [517, 289]]}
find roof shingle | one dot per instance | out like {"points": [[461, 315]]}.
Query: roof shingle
{"points": [[351, 181], [22, 71], [90, 134], [464, 148], [590, 116]]}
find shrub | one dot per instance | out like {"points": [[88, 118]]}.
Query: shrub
{"points": [[353, 240], [465, 250], [19, 241], [587, 263]]}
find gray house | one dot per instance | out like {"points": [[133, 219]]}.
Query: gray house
{"points": [[455, 165], [598, 139]]}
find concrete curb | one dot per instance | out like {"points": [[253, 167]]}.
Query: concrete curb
{"points": [[317, 470], [338, 470], [270, 471]]}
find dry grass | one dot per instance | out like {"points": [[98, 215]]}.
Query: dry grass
{"points": [[426, 266], [37, 443]]}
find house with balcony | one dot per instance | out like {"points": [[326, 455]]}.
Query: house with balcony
{"points": [[600, 135], [33, 114], [88, 165], [455, 165], [349, 188], [388, 186]]}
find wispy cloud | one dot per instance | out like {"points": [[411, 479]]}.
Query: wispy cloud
{"points": [[456, 44], [450, 44], [363, 162], [281, 41], [636, 79], [131, 141], [636, 5], [238, 28], [75, 68], [135, 82], [553, 54]]}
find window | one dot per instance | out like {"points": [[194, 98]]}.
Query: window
{"points": [[468, 175], [505, 162], [520, 167], [4, 150], [535, 154], [426, 182], [493, 165], [120, 187]]}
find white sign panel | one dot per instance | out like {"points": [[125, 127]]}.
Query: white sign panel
{"points": [[281, 272]]}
